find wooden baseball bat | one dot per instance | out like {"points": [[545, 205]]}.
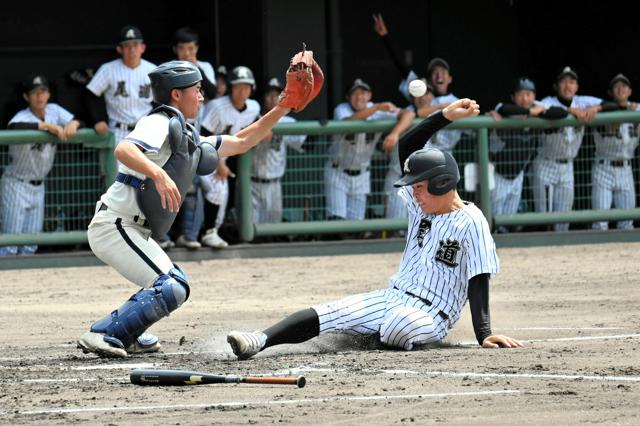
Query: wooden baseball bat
{"points": [[144, 377]]}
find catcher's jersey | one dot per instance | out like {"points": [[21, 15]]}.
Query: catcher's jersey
{"points": [[564, 142], [127, 91], [443, 252], [222, 118], [616, 142], [150, 134], [444, 140], [34, 161], [269, 159], [353, 151]]}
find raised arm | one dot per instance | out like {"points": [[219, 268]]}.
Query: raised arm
{"points": [[415, 139]]}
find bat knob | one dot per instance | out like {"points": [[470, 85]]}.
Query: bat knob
{"points": [[301, 381]]}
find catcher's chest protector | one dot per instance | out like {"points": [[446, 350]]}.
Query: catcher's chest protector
{"points": [[187, 158]]}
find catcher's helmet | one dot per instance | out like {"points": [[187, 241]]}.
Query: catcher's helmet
{"points": [[240, 75], [438, 167], [172, 75]]}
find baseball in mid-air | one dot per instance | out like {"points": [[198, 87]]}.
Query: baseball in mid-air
{"points": [[417, 88]]}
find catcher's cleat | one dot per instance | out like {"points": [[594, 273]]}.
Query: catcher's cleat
{"points": [[145, 343], [244, 344], [91, 342]]}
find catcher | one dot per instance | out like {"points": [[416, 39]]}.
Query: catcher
{"points": [[157, 162]]}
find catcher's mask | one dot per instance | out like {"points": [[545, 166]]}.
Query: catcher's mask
{"points": [[242, 74], [434, 165], [172, 75]]}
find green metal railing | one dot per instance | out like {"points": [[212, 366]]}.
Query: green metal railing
{"points": [[84, 166], [478, 134]]}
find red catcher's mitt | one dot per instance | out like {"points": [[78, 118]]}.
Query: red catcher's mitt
{"points": [[304, 81]]}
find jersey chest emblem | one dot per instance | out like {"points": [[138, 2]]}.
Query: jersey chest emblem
{"points": [[448, 252], [425, 225]]}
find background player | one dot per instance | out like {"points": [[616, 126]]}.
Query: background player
{"points": [[448, 259], [553, 188], [119, 233], [347, 175], [511, 150], [123, 86], [221, 81], [269, 160], [226, 115], [22, 185], [612, 174]]}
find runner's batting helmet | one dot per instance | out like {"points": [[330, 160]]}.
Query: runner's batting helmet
{"points": [[172, 75], [438, 167]]}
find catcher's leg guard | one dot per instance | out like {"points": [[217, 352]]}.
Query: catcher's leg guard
{"points": [[146, 307]]}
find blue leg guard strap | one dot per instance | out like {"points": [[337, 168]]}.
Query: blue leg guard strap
{"points": [[146, 307]]}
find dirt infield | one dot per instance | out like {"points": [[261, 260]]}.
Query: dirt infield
{"points": [[577, 308]]}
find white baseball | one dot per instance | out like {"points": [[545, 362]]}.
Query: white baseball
{"points": [[417, 88]]}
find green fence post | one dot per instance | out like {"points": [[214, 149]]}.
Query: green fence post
{"points": [[483, 170], [110, 163], [243, 184]]}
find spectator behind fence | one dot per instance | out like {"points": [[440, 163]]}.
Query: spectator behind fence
{"points": [[511, 150], [395, 207], [22, 185], [226, 115], [347, 177], [123, 86], [269, 160], [553, 182], [612, 174], [221, 81], [186, 44]]}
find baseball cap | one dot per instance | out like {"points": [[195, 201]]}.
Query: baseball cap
{"points": [[358, 83], [435, 62], [274, 83], [222, 70], [524, 83], [130, 33], [33, 82], [619, 77], [567, 71]]}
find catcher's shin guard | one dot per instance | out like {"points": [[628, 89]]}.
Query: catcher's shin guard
{"points": [[146, 307]]}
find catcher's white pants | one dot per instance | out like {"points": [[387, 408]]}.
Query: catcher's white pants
{"points": [[123, 243], [402, 320]]}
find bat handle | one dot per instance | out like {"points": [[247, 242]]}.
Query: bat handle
{"points": [[299, 381]]}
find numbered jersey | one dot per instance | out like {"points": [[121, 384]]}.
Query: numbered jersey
{"points": [[222, 118], [443, 252], [564, 143], [34, 161], [353, 151], [127, 91], [269, 158]]}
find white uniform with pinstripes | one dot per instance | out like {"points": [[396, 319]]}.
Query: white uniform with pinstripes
{"points": [[22, 202], [553, 188], [117, 235], [127, 93], [269, 160], [445, 140], [430, 269], [222, 118], [614, 183], [346, 195]]}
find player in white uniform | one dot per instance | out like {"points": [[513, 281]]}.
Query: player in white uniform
{"points": [[346, 175], [612, 173], [22, 185], [553, 188], [511, 150], [226, 115], [448, 259], [395, 207], [186, 44], [123, 85], [119, 234], [269, 161]]}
